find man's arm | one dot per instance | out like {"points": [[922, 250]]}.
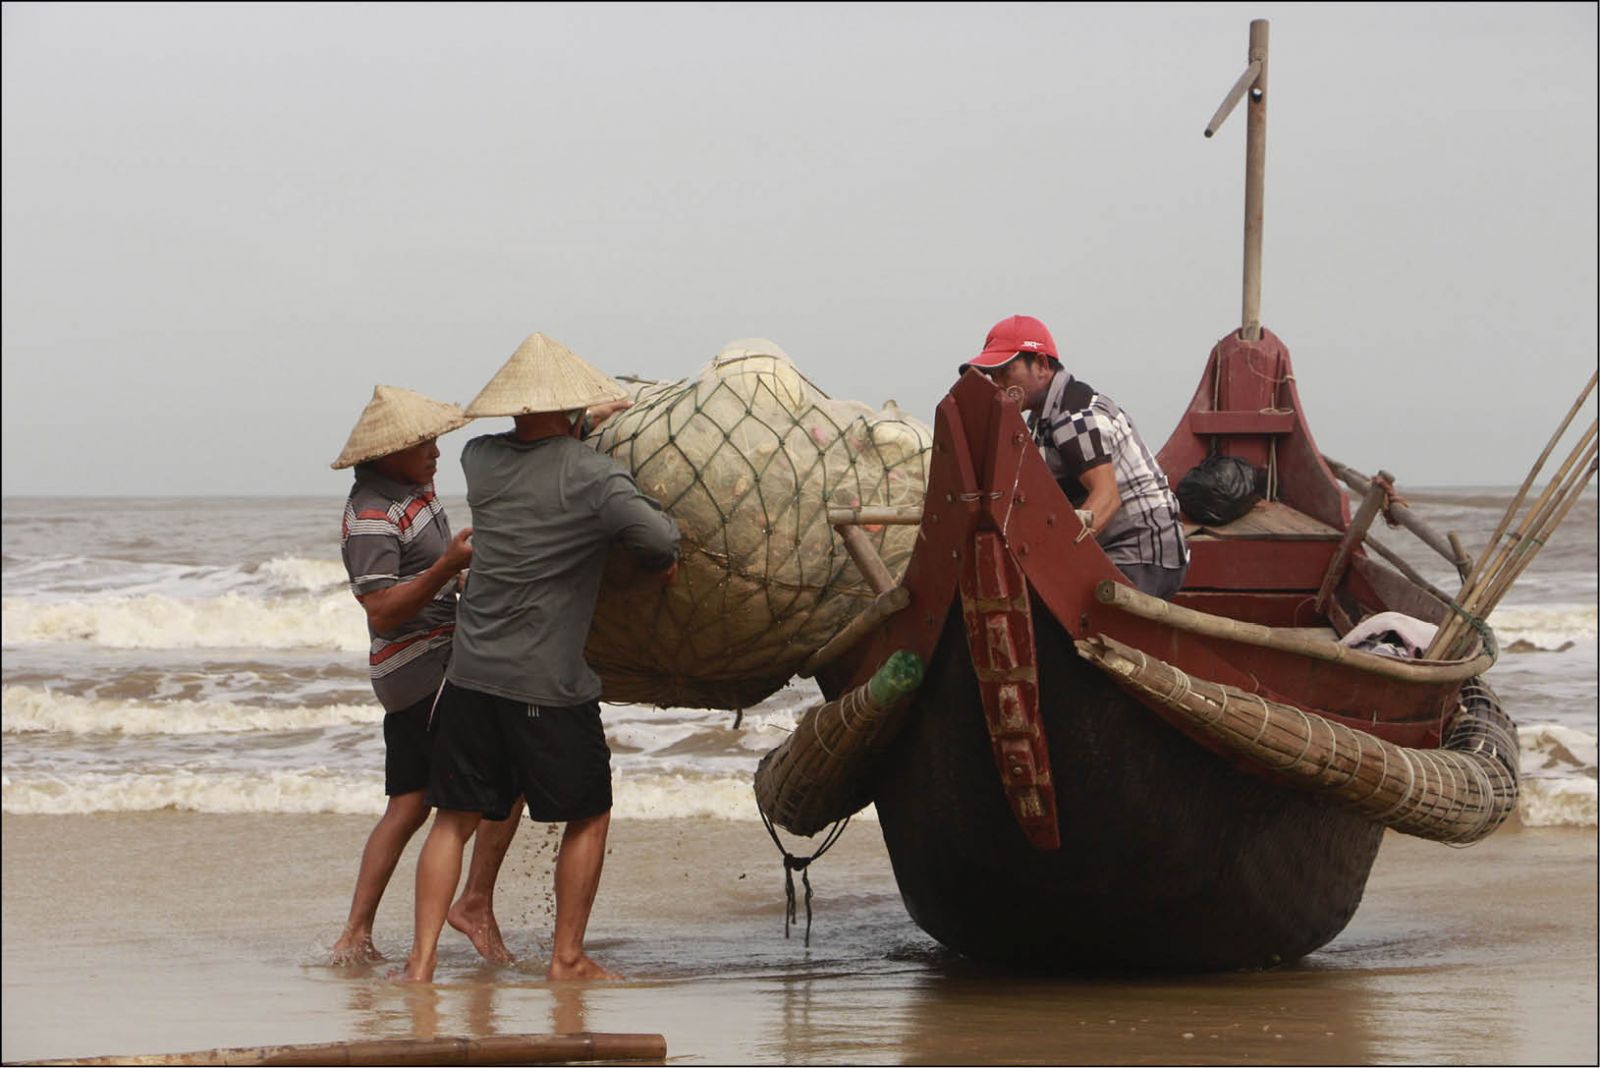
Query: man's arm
{"points": [[393, 606], [637, 522], [1104, 498]]}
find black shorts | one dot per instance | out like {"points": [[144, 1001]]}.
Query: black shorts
{"points": [[486, 748], [406, 745]]}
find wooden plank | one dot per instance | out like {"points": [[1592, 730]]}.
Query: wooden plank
{"points": [[1377, 493], [1277, 564], [1290, 609], [1233, 423]]}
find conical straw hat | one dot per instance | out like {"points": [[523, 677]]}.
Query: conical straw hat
{"points": [[397, 419], [543, 375]]}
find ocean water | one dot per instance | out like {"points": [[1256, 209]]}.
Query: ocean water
{"points": [[206, 655]]}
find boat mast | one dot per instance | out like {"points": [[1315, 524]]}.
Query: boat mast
{"points": [[1254, 79]]}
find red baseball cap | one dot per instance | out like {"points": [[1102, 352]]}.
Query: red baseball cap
{"points": [[1011, 336]]}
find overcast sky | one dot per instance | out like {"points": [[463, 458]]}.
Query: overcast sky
{"points": [[224, 224]]}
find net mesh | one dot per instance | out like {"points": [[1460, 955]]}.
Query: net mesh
{"points": [[747, 457]]}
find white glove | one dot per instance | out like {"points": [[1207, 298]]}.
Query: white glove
{"points": [[1086, 517]]}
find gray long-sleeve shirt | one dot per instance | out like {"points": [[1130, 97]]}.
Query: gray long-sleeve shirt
{"points": [[545, 515]]}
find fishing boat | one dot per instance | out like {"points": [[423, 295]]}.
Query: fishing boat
{"points": [[1087, 776]]}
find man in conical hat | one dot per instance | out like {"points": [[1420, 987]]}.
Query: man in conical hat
{"points": [[403, 565], [520, 708]]}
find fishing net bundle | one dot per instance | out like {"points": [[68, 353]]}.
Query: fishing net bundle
{"points": [[747, 457]]}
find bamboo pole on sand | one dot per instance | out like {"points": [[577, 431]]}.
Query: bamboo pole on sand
{"points": [[491, 1049]]}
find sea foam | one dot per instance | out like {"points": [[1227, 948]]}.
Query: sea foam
{"points": [[1548, 627], [155, 621], [320, 790], [25, 709], [299, 573], [1557, 803]]}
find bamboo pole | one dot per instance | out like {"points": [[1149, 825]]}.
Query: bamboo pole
{"points": [[1255, 182], [867, 560], [1134, 602], [1577, 482], [492, 1049], [1253, 80], [1522, 491], [909, 515], [1503, 551], [1498, 566], [887, 604], [1371, 504], [1405, 517], [1407, 570], [1463, 560], [1229, 102]]}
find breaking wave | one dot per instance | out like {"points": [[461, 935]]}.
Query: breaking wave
{"points": [[28, 710], [1547, 628], [156, 621], [321, 790]]}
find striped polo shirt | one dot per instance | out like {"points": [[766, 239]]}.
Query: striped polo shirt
{"points": [[1078, 429], [393, 532]]}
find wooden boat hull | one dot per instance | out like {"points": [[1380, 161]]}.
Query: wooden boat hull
{"points": [[1170, 857], [1041, 810]]}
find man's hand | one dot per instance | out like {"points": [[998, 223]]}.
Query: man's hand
{"points": [[670, 575], [601, 412], [1086, 517], [394, 606], [459, 553]]}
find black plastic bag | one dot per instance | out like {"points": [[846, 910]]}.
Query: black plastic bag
{"points": [[1218, 490]]}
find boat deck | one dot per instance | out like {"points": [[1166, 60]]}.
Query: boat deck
{"points": [[1267, 521]]}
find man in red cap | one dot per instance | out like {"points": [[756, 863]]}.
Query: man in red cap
{"points": [[1094, 452]]}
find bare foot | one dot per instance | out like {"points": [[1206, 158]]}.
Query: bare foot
{"points": [[354, 949], [477, 922], [580, 968], [415, 971]]}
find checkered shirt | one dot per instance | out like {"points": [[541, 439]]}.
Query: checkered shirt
{"points": [[1078, 429]]}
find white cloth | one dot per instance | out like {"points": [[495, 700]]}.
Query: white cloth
{"points": [[1391, 634]]}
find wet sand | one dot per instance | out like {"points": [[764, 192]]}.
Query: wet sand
{"points": [[174, 931]]}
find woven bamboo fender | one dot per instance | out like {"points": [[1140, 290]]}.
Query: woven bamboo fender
{"points": [[1458, 793], [818, 775]]}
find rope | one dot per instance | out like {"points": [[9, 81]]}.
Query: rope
{"points": [[792, 864]]}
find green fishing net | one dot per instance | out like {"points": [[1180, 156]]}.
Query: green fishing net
{"points": [[747, 457]]}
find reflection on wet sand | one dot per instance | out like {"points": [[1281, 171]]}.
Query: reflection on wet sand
{"points": [[568, 1013], [385, 1009], [1281, 1017], [382, 1008]]}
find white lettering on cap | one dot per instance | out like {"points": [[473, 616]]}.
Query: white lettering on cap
{"points": [[1033, 344]]}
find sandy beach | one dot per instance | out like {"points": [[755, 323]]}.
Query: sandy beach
{"points": [[165, 931]]}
